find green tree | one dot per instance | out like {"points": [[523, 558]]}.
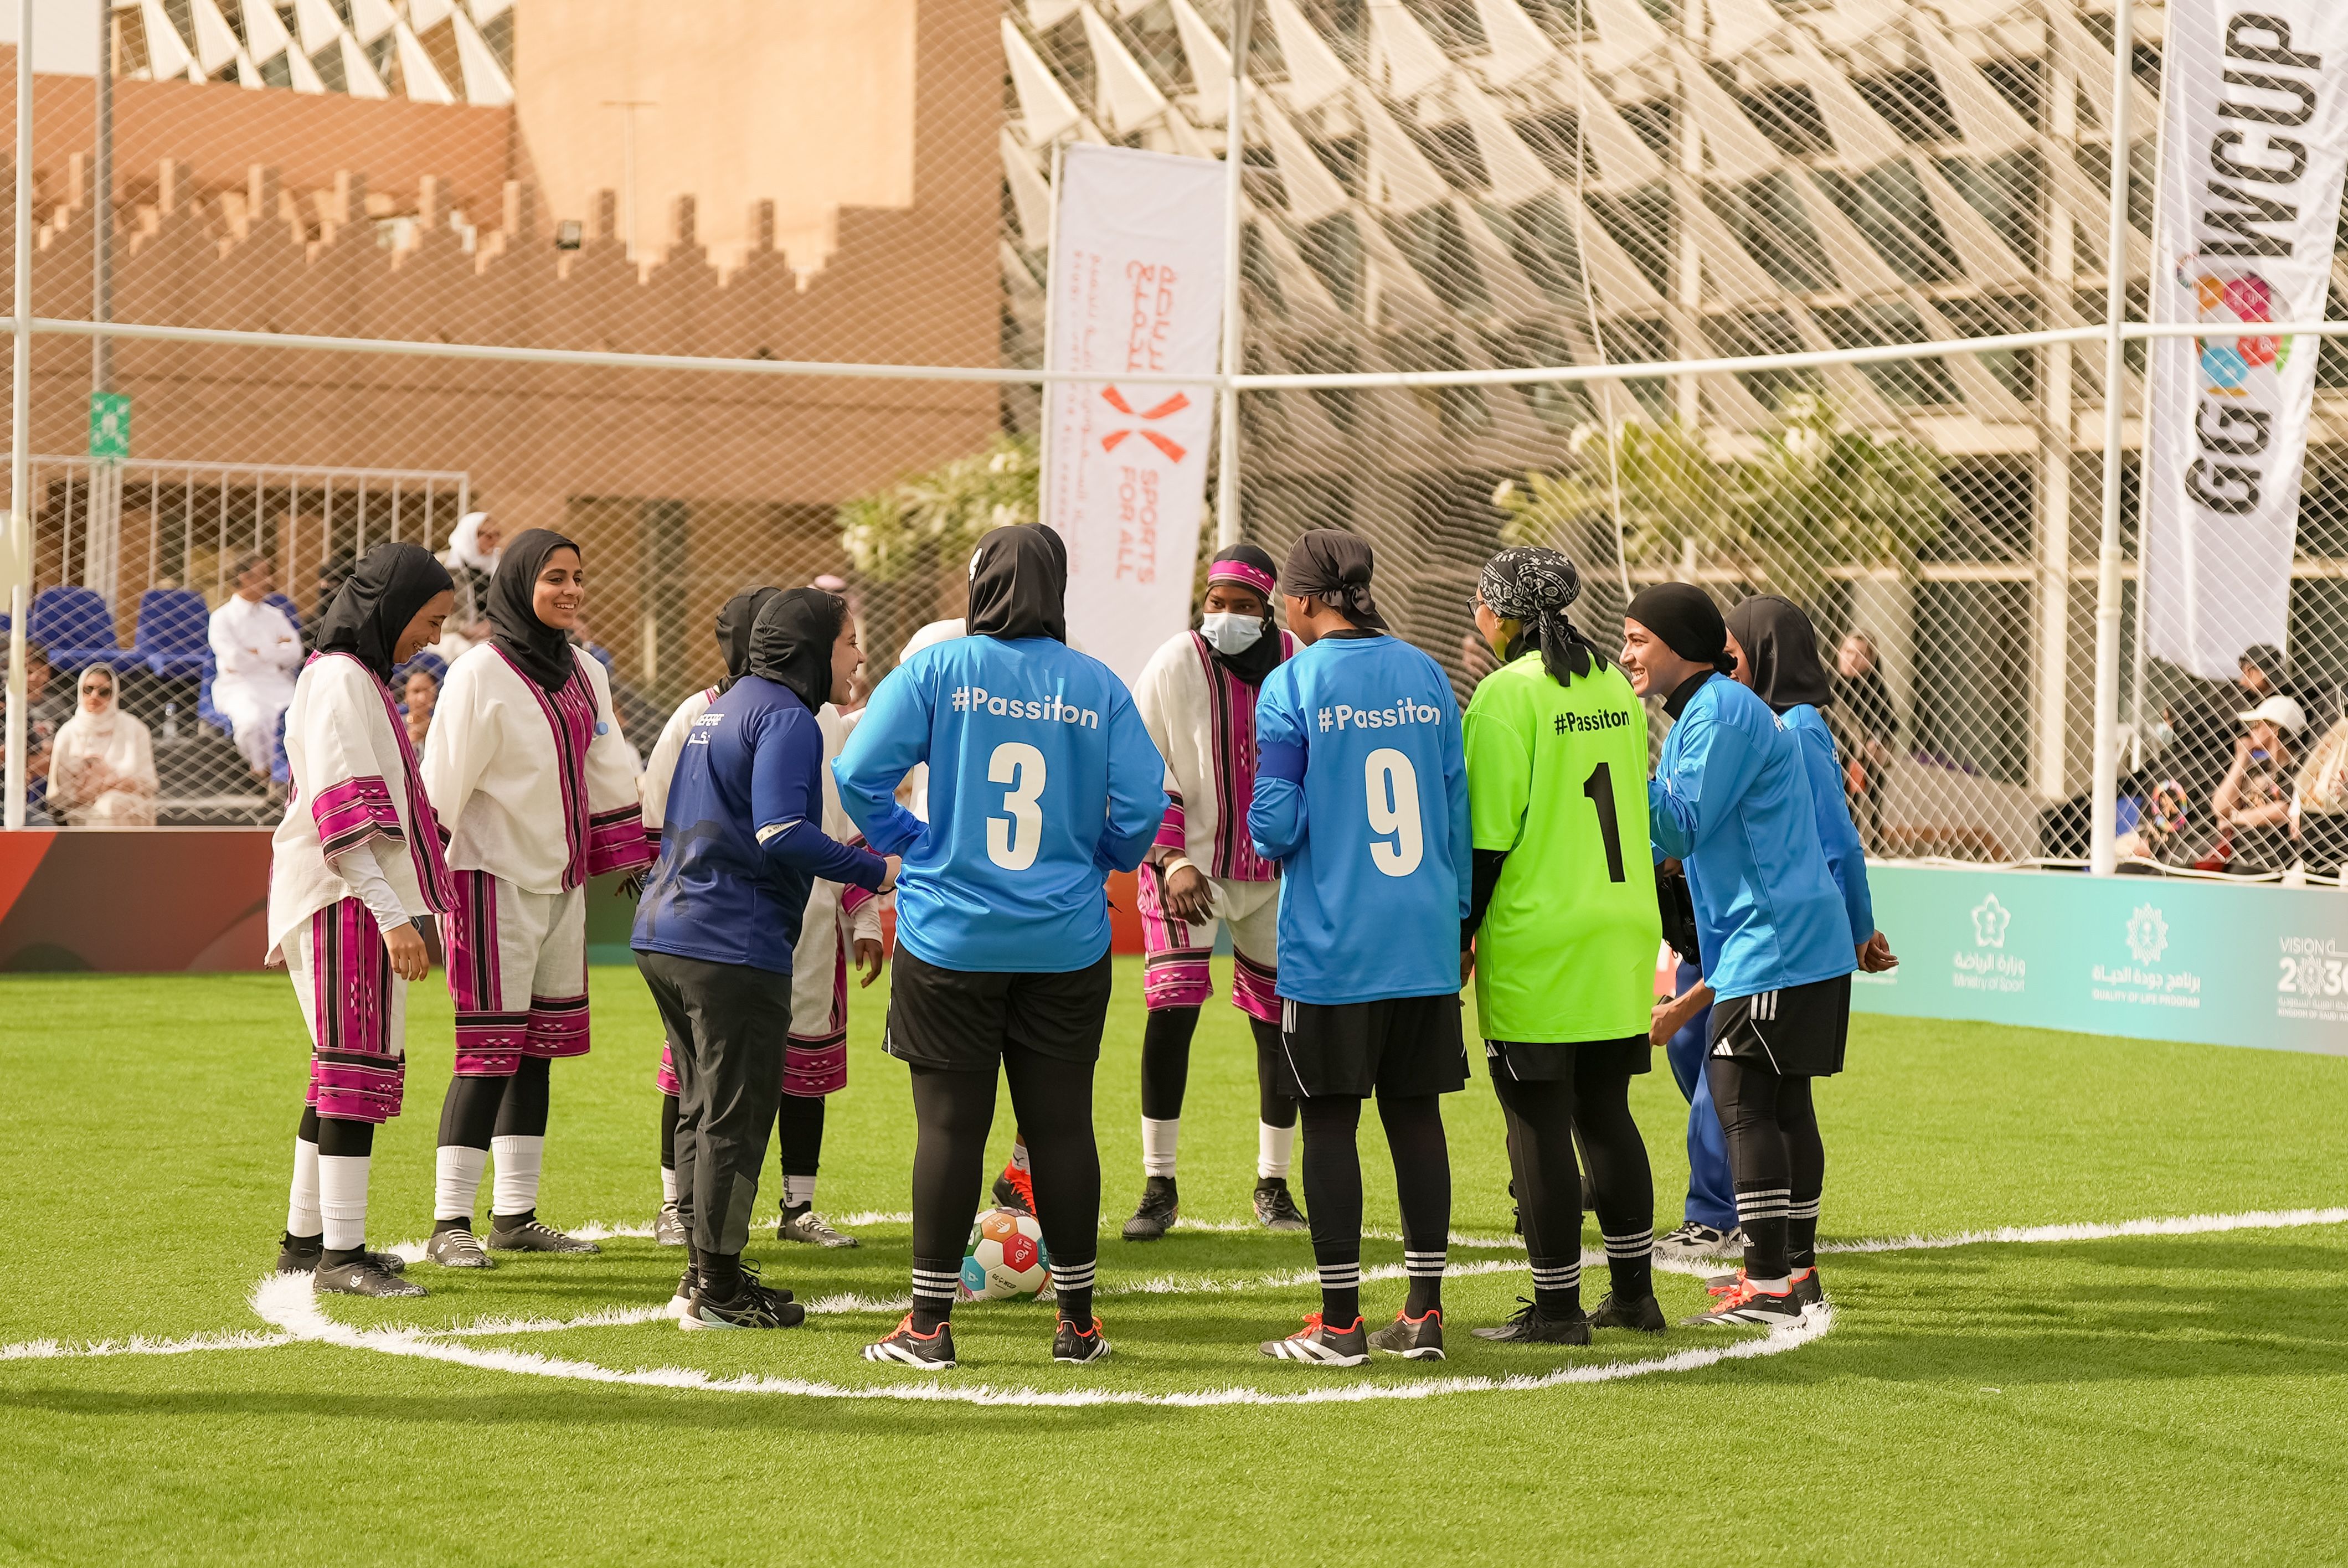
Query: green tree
{"points": [[909, 525]]}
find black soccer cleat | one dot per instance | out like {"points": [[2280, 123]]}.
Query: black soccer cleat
{"points": [[1693, 1240], [1744, 1306], [932, 1352], [300, 1254], [360, 1276], [669, 1229], [1155, 1215], [1073, 1347], [1645, 1315], [1806, 1288], [752, 1307], [1275, 1206], [528, 1233], [1418, 1338], [682, 1302], [1014, 1190], [1531, 1325], [1318, 1345], [457, 1248]]}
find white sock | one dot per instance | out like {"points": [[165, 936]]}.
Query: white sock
{"points": [[1274, 1148], [514, 1189], [342, 1199], [302, 1207], [1158, 1140], [457, 1181], [798, 1190], [1019, 1155], [668, 1184], [1769, 1286]]}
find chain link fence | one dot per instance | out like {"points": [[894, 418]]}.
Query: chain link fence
{"points": [[1471, 230]]}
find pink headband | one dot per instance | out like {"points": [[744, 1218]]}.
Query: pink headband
{"points": [[1239, 572]]}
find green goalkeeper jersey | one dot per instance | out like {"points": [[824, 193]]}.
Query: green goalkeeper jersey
{"points": [[1557, 776]]}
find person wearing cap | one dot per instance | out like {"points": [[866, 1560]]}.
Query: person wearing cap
{"points": [[1361, 794], [1198, 696], [1731, 801], [2252, 803]]}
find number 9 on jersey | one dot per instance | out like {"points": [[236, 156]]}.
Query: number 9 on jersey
{"points": [[1391, 787]]}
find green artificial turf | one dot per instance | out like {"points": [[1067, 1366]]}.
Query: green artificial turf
{"points": [[2151, 1399]]}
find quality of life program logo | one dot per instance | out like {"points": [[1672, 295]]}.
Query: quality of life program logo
{"points": [[2143, 981], [1989, 967]]}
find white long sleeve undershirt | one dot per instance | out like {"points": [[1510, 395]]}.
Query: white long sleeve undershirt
{"points": [[364, 871]]}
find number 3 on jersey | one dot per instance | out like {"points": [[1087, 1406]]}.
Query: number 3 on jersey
{"points": [[1391, 786], [1013, 845]]}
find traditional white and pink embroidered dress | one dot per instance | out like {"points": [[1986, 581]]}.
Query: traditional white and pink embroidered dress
{"points": [[359, 849], [538, 789]]}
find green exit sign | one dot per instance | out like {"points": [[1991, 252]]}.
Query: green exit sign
{"points": [[109, 426]]}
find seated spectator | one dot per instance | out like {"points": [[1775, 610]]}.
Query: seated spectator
{"points": [[420, 693], [102, 765], [2252, 803], [258, 654], [42, 718], [1865, 728], [2320, 803], [474, 546]]}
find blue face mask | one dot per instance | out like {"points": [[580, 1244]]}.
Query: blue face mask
{"points": [[1231, 634]]}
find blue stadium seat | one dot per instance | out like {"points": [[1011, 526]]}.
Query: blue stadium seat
{"points": [[173, 630], [204, 709], [431, 664], [281, 770], [76, 628]]}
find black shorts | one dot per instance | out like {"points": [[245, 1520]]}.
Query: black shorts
{"points": [[1401, 1046], [960, 1021], [1539, 1061], [1797, 1032]]}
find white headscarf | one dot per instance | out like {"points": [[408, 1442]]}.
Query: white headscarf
{"points": [[115, 742], [465, 545]]}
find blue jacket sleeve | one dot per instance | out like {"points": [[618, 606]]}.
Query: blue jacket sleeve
{"points": [[888, 742], [787, 806], [1846, 858], [1136, 788], [1276, 816], [1706, 769], [1455, 784]]}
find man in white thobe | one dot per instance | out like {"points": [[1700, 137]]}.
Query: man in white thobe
{"points": [[258, 654]]}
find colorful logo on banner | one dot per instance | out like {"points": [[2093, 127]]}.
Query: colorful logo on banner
{"points": [[2236, 296], [1174, 450]]}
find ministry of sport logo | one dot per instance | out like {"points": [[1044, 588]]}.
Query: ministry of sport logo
{"points": [[1990, 921], [1050, 710], [2148, 934]]}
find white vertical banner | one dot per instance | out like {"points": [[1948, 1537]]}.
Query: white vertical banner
{"points": [[1136, 288], [2254, 137]]}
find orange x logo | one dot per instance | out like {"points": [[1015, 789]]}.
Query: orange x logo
{"points": [[1174, 451]]}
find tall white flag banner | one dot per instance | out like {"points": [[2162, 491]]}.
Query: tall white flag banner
{"points": [[2254, 139], [1137, 287]]}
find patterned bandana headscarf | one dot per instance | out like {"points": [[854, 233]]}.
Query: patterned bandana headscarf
{"points": [[1533, 586]]}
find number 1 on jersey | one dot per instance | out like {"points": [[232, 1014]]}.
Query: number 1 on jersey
{"points": [[1600, 787], [1013, 845]]}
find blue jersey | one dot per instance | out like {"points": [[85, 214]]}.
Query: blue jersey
{"points": [[1042, 781], [1731, 800], [1360, 793], [743, 838], [1846, 858]]}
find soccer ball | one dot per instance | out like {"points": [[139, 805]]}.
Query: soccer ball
{"points": [[1006, 1258]]}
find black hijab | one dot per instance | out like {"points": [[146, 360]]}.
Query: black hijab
{"points": [[1245, 565], [1533, 586], [736, 621], [1019, 584], [1782, 647], [377, 599], [1333, 567], [791, 644], [1684, 617], [541, 651]]}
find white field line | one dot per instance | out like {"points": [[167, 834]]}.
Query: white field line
{"points": [[286, 1302], [253, 1339]]}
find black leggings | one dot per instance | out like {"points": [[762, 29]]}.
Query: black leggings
{"points": [[1333, 1192], [798, 1133], [1776, 1159], [1546, 1118], [336, 1136], [479, 1109], [954, 1112], [1165, 1067]]}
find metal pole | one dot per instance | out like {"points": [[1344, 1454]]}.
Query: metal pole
{"points": [[20, 426], [1227, 484], [2102, 851], [2138, 750]]}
